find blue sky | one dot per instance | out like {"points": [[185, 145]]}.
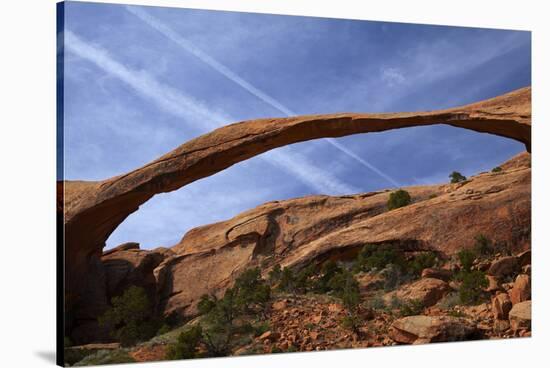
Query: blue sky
{"points": [[140, 81]]}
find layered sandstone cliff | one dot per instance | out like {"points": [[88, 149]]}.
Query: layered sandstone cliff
{"points": [[289, 232]]}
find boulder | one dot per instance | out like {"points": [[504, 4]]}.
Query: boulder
{"points": [[521, 291], [427, 291], [501, 305], [437, 273], [520, 316], [494, 284], [504, 266], [426, 329]]}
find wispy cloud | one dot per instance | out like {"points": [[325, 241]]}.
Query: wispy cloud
{"points": [[392, 76], [191, 110], [190, 47]]}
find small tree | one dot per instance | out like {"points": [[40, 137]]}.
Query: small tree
{"points": [[456, 177], [346, 288], [472, 288], [328, 271], [397, 199], [497, 169], [186, 346], [131, 317], [466, 258], [251, 291]]}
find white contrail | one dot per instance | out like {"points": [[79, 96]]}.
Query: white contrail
{"points": [[181, 105], [229, 74]]}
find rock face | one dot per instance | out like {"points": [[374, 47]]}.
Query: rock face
{"points": [[435, 273], [426, 329], [520, 316], [521, 291], [92, 210], [501, 306]]}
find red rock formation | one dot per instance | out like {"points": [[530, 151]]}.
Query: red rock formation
{"points": [[299, 231], [92, 210]]}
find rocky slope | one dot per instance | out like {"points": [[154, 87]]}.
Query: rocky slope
{"points": [[92, 210], [297, 232]]}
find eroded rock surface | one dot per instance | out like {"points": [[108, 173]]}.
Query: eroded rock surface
{"points": [[93, 210]]}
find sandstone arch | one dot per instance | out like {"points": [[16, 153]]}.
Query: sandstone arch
{"points": [[93, 210]]}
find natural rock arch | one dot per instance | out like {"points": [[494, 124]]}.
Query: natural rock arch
{"points": [[93, 210]]}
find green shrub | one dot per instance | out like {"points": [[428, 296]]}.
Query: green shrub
{"points": [[456, 313], [328, 271], [393, 277], [375, 302], [397, 199], [304, 282], [186, 346], [497, 169], [471, 290], [466, 258], [483, 245], [73, 356], [251, 291], [374, 256], [346, 287], [421, 261], [206, 304], [411, 308], [275, 274], [456, 177], [249, 295], [288, 281], [131, 318], [118, 356]]}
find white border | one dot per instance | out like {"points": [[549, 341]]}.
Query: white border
{"points": [[27, 41]]}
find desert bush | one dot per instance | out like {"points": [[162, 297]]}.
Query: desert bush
{"points": [[345, 286], [251, 291], [373, 256], [471, 290], [420, 262], [206, 304], [375, 302], [393, 277], [328, 270], [483, 246], [73, 356], [275, 274], [130, 319], [397, 199], [449, 301], [411, 308], [466, 258], [249, 295], [497, 169], [288, 281], [456, 177], [186, 345], [100, 357], [456, 313]]}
